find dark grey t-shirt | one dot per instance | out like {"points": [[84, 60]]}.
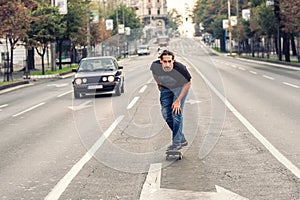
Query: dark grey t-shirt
{"points": [[173, 79]]}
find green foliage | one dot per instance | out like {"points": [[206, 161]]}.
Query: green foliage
{"points": [[46, 26], [126, 14], [174, 19]]}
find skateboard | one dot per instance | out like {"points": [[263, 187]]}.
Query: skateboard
{"points": [[175, 154]]}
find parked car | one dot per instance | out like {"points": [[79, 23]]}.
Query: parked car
{"points": [[98, 75], [143, 50]]}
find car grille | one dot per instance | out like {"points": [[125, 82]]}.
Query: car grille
{"points": [[97, 79]]}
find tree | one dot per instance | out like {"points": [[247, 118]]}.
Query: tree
{"points": [[15, 22], [128, 15], [47, 22], [290, 11], [174, 19], [72, 32]]}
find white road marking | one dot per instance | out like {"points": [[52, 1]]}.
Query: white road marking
{"points": [[292, 85], [4, 105], [142, 90], [253, 72], [152, 191], [268, 77], [58, 85], [131, 104], [241, 68], [279, 156], [62, 185], [81, 106], [64, 93], [234, 66], [29, 109]]}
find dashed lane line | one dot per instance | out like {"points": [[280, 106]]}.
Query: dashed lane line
{"points": [[3, 106], [29, 109], [268, 77], [63, 94], [142, 90], [133, 101], [290, 84]]}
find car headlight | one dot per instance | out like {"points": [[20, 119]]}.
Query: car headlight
{"points": [[84, 80], [111, 78], [78, 81], [104, 78]]}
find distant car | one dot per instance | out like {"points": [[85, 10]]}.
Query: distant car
{"points": [[98, 75], [143, 50], [161, 49]]}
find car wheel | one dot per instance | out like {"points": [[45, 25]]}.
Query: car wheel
{"points": [[76, 95], [119, 91], [122, 89]]}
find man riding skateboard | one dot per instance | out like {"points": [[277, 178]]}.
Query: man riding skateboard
{"points": [[173, 81]]}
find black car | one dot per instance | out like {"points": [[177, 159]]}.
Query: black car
{"points": [[98, 75]]}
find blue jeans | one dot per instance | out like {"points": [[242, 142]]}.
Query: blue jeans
{"points": [[174, 121]]}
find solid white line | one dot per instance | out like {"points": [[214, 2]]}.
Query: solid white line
{"points": [[29, 109], [292, 85], [142, 90], [64, 93], [134, 100], [62, 185], [253, 72], [280, 157], [268, 77]]}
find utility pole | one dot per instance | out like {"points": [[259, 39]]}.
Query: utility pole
{"points": [[229, 27], [52, 48], [88, 28], [277, 16], [237, 16]]}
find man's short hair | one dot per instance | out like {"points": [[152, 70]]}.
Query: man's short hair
{"points": [[166, 53]]}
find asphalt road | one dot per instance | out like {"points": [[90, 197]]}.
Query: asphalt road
{"points": [[240, 119]]}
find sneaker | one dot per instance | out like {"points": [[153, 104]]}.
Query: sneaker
{"points": [[184, 143], [174, 147]]}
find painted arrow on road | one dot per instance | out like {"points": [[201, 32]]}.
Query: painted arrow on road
{"points": [[152, 191], [81, 106], [192, 101]]}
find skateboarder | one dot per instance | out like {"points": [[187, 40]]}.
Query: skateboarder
{"points": [[173, 81]]}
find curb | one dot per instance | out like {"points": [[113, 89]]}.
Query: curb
{"points": [[3, 87]]}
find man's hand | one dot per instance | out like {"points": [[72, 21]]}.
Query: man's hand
{"points": [[176, 107]]}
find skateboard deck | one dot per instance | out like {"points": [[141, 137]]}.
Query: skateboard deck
{"points": [[176, 154]]}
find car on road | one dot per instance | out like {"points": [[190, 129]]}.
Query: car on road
{"points": [[143, 50], [98, 75]]}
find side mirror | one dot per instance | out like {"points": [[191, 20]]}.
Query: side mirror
{"points": [[118, 73], [121, 67], [74, 69]]}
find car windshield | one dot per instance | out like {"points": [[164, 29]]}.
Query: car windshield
{"points": [[96, 65]]}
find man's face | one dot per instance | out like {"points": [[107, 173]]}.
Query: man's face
{"points": [[167, 63]]}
